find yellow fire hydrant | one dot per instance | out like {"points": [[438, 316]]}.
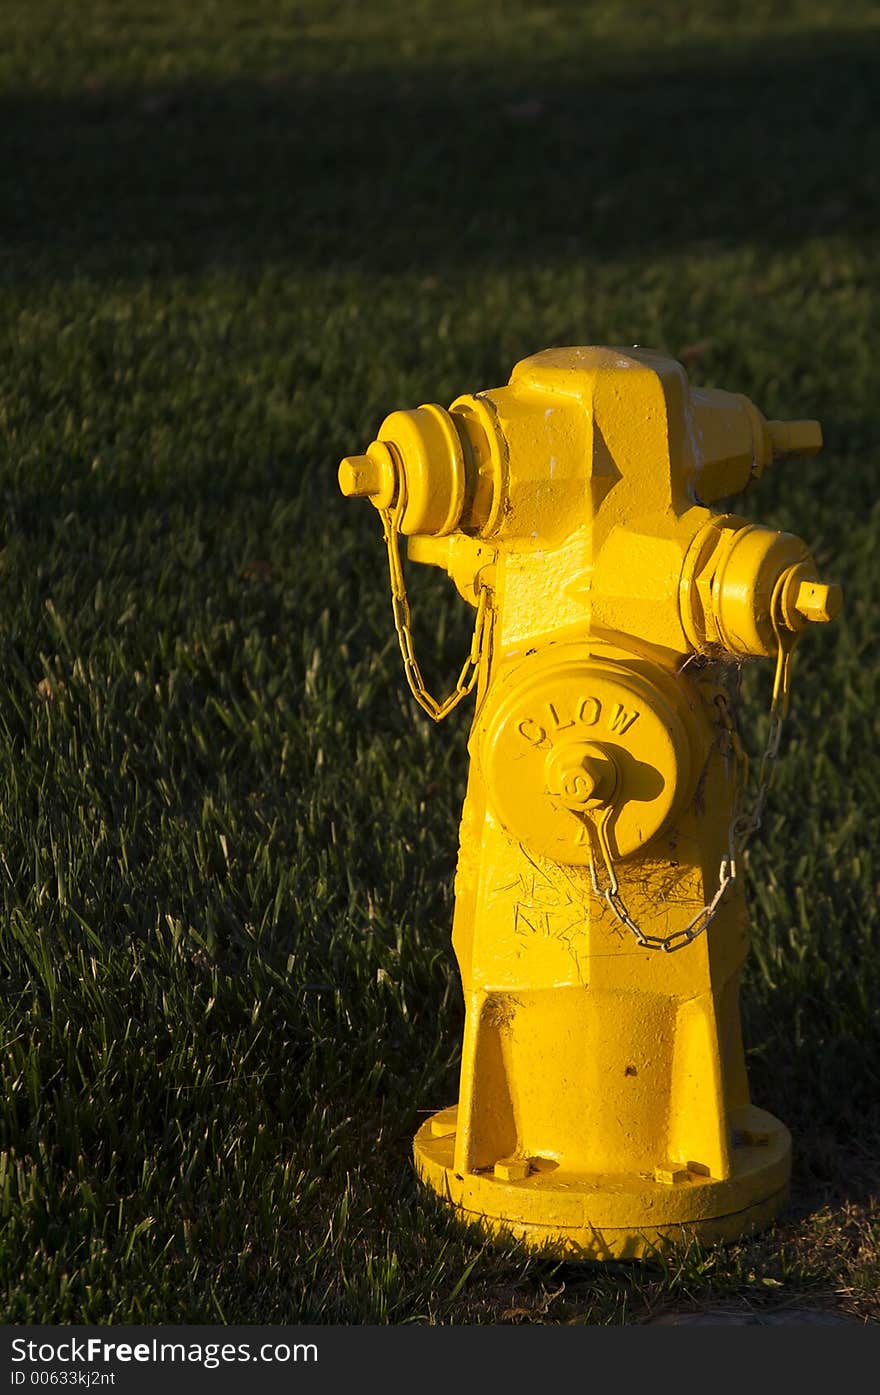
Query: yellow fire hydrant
{"points": [[600, 925]]}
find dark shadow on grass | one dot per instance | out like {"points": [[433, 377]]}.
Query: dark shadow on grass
{"points": [[392, 170]]}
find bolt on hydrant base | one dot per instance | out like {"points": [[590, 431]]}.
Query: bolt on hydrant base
{"points": [[600, 923]]}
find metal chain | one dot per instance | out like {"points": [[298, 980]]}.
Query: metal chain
{"points": [[744, 823], [403, 625]]}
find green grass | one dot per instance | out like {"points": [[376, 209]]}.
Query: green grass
{"points": [[232, 237]]}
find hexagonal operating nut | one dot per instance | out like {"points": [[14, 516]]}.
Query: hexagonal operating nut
{"points": [[581, 774], [794, 437], [818, 601], [372, 476]]}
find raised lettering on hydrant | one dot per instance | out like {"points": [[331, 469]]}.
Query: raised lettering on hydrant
{"points": [[600, 925]]}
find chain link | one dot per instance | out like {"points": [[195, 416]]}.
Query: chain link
{"points": [[403, 625], [744, 823]]}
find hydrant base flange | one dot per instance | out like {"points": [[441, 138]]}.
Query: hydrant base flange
{"points": [[610, 1217]]}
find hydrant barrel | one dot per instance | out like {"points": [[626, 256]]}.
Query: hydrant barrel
{"points": [[600, 925]]}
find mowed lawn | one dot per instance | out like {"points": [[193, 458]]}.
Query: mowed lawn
{"points": [[233, 236]]}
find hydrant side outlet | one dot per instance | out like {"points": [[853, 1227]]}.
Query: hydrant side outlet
{"points": [[600, 925]]}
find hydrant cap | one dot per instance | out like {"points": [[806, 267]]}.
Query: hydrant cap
{"points": [[569, 734]]}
